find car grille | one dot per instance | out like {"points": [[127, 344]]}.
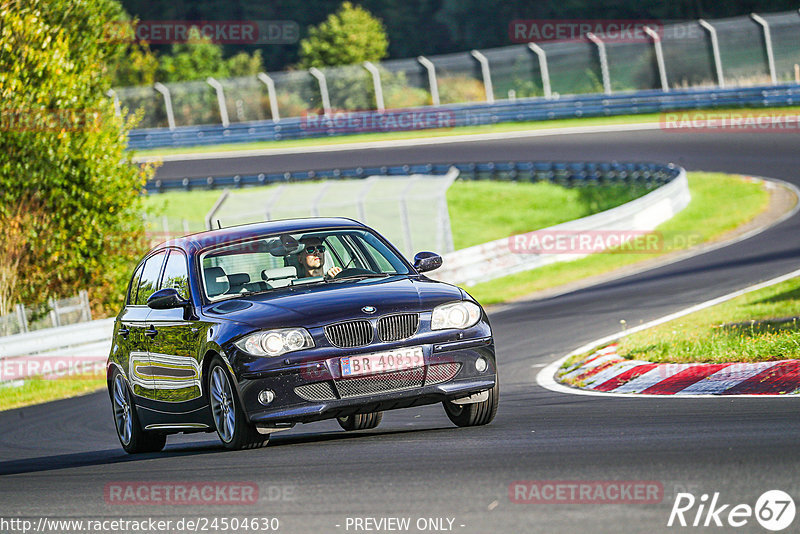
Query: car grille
{"points": [[367, 385], [441, 372], [315, 392], [350, 334], [396, 327]]}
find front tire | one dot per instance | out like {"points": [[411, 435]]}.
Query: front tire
{"points": [[131, 436], [232, 426], [360, 421], [476, 414]]}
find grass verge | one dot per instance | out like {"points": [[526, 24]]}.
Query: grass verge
{"points": [[440, 132], [38, 390], [760, 326], [720, 203]]}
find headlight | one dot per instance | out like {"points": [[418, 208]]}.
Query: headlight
{"points": [[455, 315], [276, 342]]}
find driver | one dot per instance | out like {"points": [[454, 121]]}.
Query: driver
{"points": [[312, 259]]}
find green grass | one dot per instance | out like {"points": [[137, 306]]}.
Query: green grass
{"points": [[38, 390], [484, 211], [442, 132], [513, 207], [717, 335], [720, 203]]}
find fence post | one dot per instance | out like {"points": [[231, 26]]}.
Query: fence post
{"points": [[432, 82], [486, 73], [362, 198], [273, 97], [214, 209], [767, 44], [376, 83], [87, 309], [112, 94], [274, 200], [712, 32], [601, 50], [323, 89], [539, 51], [53, 312], [662, 71], [223, 107], [318, 198], [404, 221], [22, 318], [164, 90], [445, 235]]}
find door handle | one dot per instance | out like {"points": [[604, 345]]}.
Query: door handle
{"points": [[151, 331], [123, 331]]}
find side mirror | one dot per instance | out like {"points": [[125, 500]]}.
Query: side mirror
{"points": [[427, 261], [166, 299]]}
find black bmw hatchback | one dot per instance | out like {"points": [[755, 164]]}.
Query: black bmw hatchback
{"points": [[248, 330]]}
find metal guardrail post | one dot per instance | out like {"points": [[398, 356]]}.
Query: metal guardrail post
{"points": [[444, 236], [112, 94], [767, 44], [712, 32], [405, 223], [87, 309], [662, 71], [323, 89], [215, 208], [601, 50], [54, 312], [432, 82], [539, 51], [164, 90], [273, 97], [486, 73], [21, 317], [362, 198], [223, 107], [318, 198], [376, 83]]}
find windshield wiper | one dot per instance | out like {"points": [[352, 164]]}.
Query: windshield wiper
{"points": [[360, 276]]}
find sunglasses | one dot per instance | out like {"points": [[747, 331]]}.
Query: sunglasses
{"points": [[315, 249]]}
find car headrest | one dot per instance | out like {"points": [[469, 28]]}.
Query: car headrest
{"points": [[216, 281], [238, 279], [278, 272]]}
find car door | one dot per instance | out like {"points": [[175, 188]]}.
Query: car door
{"points": [[175, 362], [133, 324]]}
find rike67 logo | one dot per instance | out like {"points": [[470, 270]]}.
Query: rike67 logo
{"points": [[774, 510]]}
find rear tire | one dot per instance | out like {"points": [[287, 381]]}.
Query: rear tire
{"points": [[360, 421], [131, 436], [476, 414], [229, 418]]}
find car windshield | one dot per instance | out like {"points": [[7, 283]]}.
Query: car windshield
{"points": [[291, 259]]}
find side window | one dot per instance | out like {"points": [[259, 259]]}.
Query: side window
{"points": [[134, 287], [176, 273], [149, 281]]}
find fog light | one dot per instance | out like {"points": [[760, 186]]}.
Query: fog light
{"points": [[266, 396], [481, 364]]}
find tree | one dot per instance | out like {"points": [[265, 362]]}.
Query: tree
{"points": [[69, 190], [348, 37]]}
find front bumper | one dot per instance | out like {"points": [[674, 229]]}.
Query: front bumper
{"points": [[314, 391]]}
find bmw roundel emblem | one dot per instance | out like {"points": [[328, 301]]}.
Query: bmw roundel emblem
{"points": [[369, 309]]}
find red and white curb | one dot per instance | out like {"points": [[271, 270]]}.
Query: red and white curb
{"points": [[605, 371]]}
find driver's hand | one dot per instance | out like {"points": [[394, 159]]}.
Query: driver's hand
{"points": [[333, 271]]}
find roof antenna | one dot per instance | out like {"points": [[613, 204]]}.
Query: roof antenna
{"points": [[219, 224]]}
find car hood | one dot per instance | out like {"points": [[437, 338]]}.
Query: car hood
{"points": [[321, 304]]}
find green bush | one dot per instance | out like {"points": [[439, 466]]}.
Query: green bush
{"points": [[68, 185]]}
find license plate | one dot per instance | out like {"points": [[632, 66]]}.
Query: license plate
{"points": [[383, 362]]}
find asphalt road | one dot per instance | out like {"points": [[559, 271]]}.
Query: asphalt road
{"points": [[57, 459]]}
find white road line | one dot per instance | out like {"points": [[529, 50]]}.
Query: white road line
{"points": [[546, 377]]}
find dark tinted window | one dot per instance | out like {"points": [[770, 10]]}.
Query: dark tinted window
{"points": [[134, 285], [176, 274], [149, 281]]}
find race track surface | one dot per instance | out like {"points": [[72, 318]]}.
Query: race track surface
{"points": [[56, 459]]}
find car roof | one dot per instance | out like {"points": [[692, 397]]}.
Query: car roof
{"points": [[201, 240]]}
